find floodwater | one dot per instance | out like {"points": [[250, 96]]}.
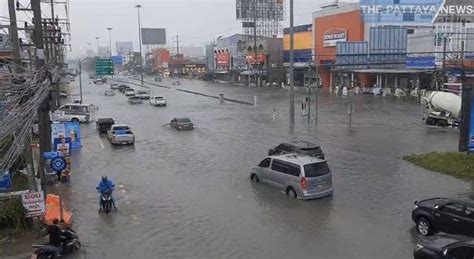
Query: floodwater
{"points": [[187, 194]]}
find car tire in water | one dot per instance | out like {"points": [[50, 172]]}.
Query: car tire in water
{"points": [[430, 121], [291, 192], [423, 226], [254, 177]]}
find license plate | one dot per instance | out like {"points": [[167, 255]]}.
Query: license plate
{"points": [[124, 142]]}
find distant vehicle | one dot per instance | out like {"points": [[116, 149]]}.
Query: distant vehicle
{"points": [[443, 246], [104, 124], [129, 92], [109, 93], [157, 78], [136, 77], [176, 83], [121, 135], [454, 216], [135, 100], [182, 124], [298, 147], [143, 94], [75, 112], [99, 81], [91, 76], [158, 101], [123, 88], [298, 176], [114, 86], [442, 109]]}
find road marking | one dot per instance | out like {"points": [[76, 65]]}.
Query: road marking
{"points": [[100, 142]]}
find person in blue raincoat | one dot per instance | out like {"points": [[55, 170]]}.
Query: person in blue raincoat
{"points": [[105, 185]]}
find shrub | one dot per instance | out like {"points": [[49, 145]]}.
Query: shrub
{"points": [[13, 215]]}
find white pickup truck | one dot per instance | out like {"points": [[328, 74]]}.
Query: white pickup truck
{"points": [[121, 135], [158, 101]]}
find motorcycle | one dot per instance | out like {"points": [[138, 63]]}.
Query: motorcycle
{"points": [[47, 251], [106, 198]]}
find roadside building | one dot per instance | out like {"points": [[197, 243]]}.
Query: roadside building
{"points": [[265, 62], [303, 43], [228, 57]]}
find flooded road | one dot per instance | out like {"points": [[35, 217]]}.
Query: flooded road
{"points": [[188, 194]]}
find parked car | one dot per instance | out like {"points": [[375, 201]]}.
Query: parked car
{"points": [[123, 88], [129, 92], [158, 101], [121, 135], [455, 216], [114, 86], [299, 147], [135, 100], [142, 94], [182, 123], [75, 112], [109, 93], [443, 246], [298, 176], [104, 124]]}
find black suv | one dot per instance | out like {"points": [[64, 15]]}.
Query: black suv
{"points": [[299, 147], [445, 246], [455, 216]]}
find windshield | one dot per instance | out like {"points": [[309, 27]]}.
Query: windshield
{"points": [[121, 128], [184, 120], [316, 169]]}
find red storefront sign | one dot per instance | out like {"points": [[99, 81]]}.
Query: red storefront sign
{"points": [[261, 58], [222, 59]]}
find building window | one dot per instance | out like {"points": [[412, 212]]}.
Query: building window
{"points": [[396, 1], [408, 17], [410, 31]]}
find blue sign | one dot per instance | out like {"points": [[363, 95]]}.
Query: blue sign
{"points": [[117, 60], [5, 182], [469, 56], [401, 12], [58, 164], [73, 131], [470, 141], [421, 62], [62, 146]]}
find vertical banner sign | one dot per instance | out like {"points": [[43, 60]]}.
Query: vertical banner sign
{"points": [[33, 203], [73, 131], [470, 141], [58, 130]]}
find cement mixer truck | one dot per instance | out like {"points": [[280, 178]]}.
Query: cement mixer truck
{"points": [[442, 109]]}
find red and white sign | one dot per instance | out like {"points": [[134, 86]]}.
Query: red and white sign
{"points": [[222, 58], [261, 58], [33, 203], [333, 36]]}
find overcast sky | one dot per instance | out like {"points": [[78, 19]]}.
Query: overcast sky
{"points": [[196, 21]]}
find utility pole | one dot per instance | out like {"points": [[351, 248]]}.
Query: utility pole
{"points": [[14, 36], [255, 41], [110, 41], [309, 91], [292, 71], [54, 54], [80, 78], [97, 43], [43, 111], [316, 93], [177, 55], [140, 41]]}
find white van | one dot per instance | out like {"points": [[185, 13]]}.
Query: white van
{"points": [[75, 112]]}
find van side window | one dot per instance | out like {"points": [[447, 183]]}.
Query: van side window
{"points": [[293, 169], [279, 166], [265, 162]]}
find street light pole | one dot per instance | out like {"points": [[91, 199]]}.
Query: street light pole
{"points": [[292, 69], [97, 42], [110, 41], [140, 41], [80, 78]]}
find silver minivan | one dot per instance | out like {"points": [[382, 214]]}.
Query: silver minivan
{"points": [[299, 176]]}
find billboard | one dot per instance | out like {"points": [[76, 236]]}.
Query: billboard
{"points": [[427, 62], [333, 36], [153, 36], [470, 141], [266, 9], [124, 47]]}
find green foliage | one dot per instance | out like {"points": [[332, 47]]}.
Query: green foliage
{"points": [[459, 165], [12, 215]]}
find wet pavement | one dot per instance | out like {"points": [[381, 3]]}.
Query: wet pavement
{"points": [[187, 194]]}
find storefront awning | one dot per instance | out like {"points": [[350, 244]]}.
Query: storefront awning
{"points": [[391, 71]]}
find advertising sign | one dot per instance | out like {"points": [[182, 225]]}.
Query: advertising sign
{"points": [[222, 58], [33, 203], [261, 58], [470, 141], [333, 36], [73, 131], [57, 161], [58, 130], [407, 11], [153, 36], [63, 146], [5, 181], [420, 62]]}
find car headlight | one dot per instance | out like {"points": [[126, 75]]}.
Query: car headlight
{"points": [[418, 247]]}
